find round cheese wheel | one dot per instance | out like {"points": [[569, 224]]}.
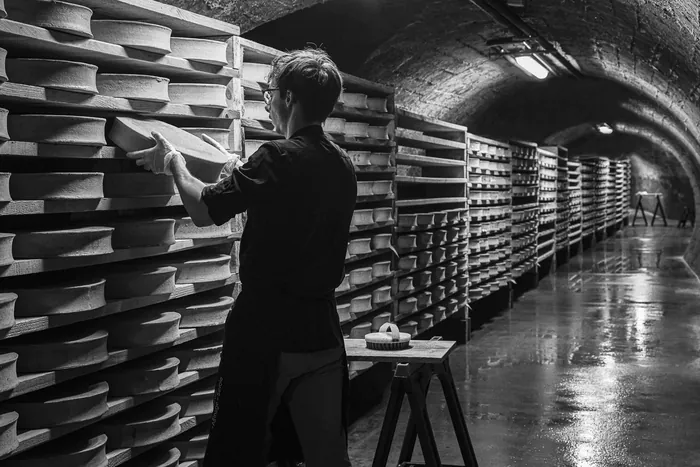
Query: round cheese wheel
{"points": [[8, 433], [133, 34], [200, 354], [6, 243], [52, 298], [192, 269], [63, 75], [4, 135], [144, 330], [185, 228], [131, 86], [191, 448], [7, 310], [8, 372], [129, 281], [220, 135], [5, 187], [144, 377], [56, 186], [158, 457], [61, 351], [57, 129], [139, 184], [200, 50], [205, 311], [54, 15], [140, 233], [203, 160], [74, 404], [145, 426], [78, 450], [3, 71], [198, 94], [84, 241], [195, 400]]}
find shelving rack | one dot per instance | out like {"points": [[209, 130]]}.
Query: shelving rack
{"points": [[617, 169], [588, 196], [602, 193], [525, 206], [490, 219], [362, 123], [546, 235], [27, 277], [626, 192], [563, 201], [432, 231], [575, 219]]}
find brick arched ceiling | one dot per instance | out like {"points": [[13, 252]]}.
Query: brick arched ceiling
{"points": [[640, 61]]}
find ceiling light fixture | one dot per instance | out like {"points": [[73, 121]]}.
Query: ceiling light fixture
{"points": [[532, 65], [604, 129]]}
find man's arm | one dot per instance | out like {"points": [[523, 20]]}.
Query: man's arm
{"points": [[190, 190]]}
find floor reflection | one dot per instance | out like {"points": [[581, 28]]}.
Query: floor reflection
{"points": [[599, 366]]}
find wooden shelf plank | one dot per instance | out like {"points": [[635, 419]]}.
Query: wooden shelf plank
{"points": [[367, 285], [28, 149], [401, 203], [374, 169], [489, 141], [119, 456], [373, 254], [25, 94], [365, 228], [32, 438], [20, 37], [182, 22], [424, 124], [359, 316], [405, 316], [430, 180], [33, 266], [21, 208], [36, 381], [408, 293], [426, 142], [42, 323], [427, 161]]}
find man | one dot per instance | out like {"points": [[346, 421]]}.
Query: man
{"points": [[283, 344]]}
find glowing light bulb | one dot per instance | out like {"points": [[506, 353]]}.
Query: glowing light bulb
{"points": [[532, 66]]}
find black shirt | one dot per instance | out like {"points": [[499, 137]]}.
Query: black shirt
{"points": [[300, 195]]}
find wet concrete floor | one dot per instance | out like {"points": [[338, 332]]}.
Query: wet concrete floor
{"points": [[599, 366]]}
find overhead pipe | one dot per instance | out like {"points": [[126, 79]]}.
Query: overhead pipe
{"points": [[504, 16]]}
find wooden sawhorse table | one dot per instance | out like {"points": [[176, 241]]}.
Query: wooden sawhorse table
{"points": [[415, 367]]}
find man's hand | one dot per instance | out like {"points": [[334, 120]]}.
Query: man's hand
{"points": [[157, 158], [233, 162]]}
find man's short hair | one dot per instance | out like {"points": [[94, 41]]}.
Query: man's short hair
{"points": [[313, 78]]}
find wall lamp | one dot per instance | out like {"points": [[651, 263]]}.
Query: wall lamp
{"points": [[532, 65], [604, 129], [524, 53]]}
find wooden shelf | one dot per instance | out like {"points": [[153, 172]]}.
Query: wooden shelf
{"points": [[426, 142], [374, 198], [23, 94], [408, 293], [69, 151], [425, 308], [373, 282], [374, 254], [119, 456], [42, 323], [428, 201], [20, 38], [21, 208], [32, 438], [365, 228], [430, 180], [427, 161], [23, 267], [36, 381], [424, 124], [374, 169], [359, 316]]}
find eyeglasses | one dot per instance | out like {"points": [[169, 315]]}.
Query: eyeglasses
{"points": [[267, 94]]}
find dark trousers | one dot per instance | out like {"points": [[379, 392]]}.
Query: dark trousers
{"points": [[311, 386]]}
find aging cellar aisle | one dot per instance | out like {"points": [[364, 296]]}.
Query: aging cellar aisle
{"points": [[597, 366]]}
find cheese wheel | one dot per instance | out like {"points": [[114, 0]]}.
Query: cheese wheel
{"points": [[61, 351], [132, 86], [3, 71], [71, 451], [133, 34], [8, 372], [144, 330], [54, 15], [7, 310], [185, 228], [5, 187], [195, 399], [256, 72], [193, 447], [136, 185], [4, 135], [140, 233], [158, 374], [198, 94], [200, 50], [63, 75], [148, 425], [205, 311], [159, 457], [8, 433], [74, 404], [6, 244], [52, 298], [192, 269], [220, 135], [56, 186], [129, 281], [355, 100], [84, 241], [256, 110], [201, 354]]}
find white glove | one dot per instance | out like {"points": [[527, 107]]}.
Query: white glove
{"points": [[157, 158], [233, 162]]}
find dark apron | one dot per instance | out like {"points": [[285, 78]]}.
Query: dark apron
{"points": [[247, 376]]}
